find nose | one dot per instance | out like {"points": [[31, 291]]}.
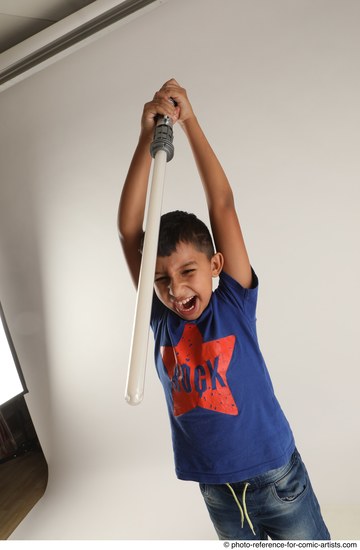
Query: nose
{"points": [[174, 288]]}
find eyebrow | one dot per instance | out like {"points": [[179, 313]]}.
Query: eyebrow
{"points": [[187, 264]]}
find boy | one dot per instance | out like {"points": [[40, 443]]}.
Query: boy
{"points": [[229, 432]]}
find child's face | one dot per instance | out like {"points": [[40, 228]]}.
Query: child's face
{"points": [[183, 280]]}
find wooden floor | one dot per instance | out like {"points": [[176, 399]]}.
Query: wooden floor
{"points": [[22, 483]]}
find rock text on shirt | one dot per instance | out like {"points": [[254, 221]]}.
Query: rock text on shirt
{"points": [[197, 371]]}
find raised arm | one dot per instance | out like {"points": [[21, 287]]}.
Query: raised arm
{"points": [[219, 196], [133, 196]]}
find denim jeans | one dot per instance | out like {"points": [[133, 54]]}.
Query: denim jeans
{"points": [[279, 504]]}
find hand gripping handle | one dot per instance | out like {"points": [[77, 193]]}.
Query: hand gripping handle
{"points": [[163, 136]]}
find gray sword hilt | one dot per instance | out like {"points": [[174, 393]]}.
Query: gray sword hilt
{"points": [[163, 137]]}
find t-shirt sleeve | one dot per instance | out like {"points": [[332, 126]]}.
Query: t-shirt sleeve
{"points": [[244, 298]]}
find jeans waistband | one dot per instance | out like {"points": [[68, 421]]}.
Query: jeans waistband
{"points": [[271, 476]]}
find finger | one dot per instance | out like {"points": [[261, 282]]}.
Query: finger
{"points": [[161, 95], [175, 92], [159, 106], [171, 86], [171, 82]]}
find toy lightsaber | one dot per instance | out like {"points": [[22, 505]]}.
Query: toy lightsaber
{"points": [[162, 151]]}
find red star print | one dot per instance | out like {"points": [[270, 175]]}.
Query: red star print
{"points": [[197, 370]]}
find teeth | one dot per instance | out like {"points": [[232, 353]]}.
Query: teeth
{"points": [[183, 302]]}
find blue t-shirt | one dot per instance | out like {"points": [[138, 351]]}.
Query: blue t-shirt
{"points": [[226, 422]]}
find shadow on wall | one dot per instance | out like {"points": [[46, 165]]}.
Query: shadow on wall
{"points": [[23, 468]]}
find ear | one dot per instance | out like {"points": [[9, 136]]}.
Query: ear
{"points": [[217, 262]]}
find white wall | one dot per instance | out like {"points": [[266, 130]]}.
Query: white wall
{"points": [[276, 86]]}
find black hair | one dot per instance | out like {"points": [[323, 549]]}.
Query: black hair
{"points": [[179, 226]]}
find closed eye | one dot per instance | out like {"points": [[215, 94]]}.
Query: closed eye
{"points": [[188, 271], [161, 279]]}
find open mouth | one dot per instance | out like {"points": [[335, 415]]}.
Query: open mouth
{"points": [[185, 306]]}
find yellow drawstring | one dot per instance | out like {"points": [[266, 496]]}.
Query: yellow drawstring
{"points": [[238, 503], [242, 512]]}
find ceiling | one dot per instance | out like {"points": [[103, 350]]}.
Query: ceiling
{"points": [[20, 19]]}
